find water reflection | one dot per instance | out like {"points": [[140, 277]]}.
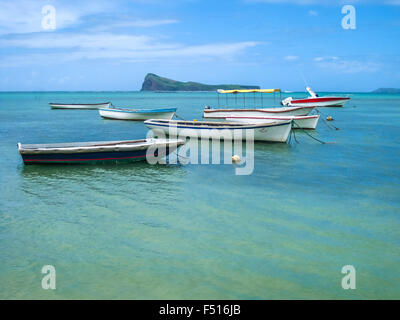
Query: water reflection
{"points": [[101, 183]]}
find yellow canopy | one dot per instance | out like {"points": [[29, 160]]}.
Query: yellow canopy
{"points": [[249, 90]]}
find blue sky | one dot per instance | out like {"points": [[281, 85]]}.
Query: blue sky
{"points": [[111, 45]]}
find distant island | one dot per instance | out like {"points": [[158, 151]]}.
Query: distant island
{"points": [[153, 82], [386, 90]]}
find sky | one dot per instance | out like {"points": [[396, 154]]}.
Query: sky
{"points": [[98, 45]]}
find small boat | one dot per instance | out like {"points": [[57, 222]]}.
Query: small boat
{"points": [[98, 151], [315, 101], [79, 105], [222, 113], [299, 122], [277, 131], [137, 114], [262, 112]]}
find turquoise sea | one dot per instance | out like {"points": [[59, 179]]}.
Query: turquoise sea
{"points": [[140, 231]]}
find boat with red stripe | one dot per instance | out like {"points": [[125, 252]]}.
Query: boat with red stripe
{"points": [[315, 101]]}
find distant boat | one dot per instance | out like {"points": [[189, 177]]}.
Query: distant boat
{"points": [[99, 151], [137, 114], [79, 105], [277, 131], [299, 122], [315, 101]]}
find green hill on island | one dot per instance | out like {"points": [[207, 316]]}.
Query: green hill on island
{"points": [[153, 82], [386, 90]]}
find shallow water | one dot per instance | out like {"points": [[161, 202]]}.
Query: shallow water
{"points": [[200, 231]]}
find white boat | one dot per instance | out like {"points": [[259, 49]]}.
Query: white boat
{"points": [[299, 122], [315, 101], [222, 113], [263, 112], [79, 105], [277, 131], [137, 114], [98, 151]]}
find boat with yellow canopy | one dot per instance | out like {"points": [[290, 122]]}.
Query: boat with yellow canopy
{"points": [[255, 110]]}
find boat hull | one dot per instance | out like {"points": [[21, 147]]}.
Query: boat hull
{"points": [[283, 111], [137, 115], [299, 122], [319, 102], [93, 106], [84, 157], [277, 131], [96, 152]]}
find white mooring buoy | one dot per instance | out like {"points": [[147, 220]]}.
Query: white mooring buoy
{"points": [[235, 158]]}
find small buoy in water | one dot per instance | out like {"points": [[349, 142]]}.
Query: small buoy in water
{"points": [[235, 158], [329, 118]]}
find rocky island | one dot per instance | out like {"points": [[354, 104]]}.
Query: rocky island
{"points": [[153, 82]]}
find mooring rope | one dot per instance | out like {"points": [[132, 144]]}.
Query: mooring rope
{"points": [[292, 133], [180, 155], [330, 126], [320, 141], [180, 118]]}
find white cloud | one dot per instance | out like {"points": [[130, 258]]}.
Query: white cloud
{"points": [[145, 23], [318, 59], [103, 36], [312, 13], [337, 65], [25, 16], [291, 58], [138, 23], [74, 41], [75, 46]]}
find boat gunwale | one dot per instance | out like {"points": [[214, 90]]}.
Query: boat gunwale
{"points": [[110, 146], [265, 110], [77, 104], [314, 116], [139, 110], [217, 125]]}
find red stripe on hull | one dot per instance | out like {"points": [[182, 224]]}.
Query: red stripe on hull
{"points": [[314, 100], [96, 159]]}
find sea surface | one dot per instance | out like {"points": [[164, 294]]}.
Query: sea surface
{"points": [[141, 231]]}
